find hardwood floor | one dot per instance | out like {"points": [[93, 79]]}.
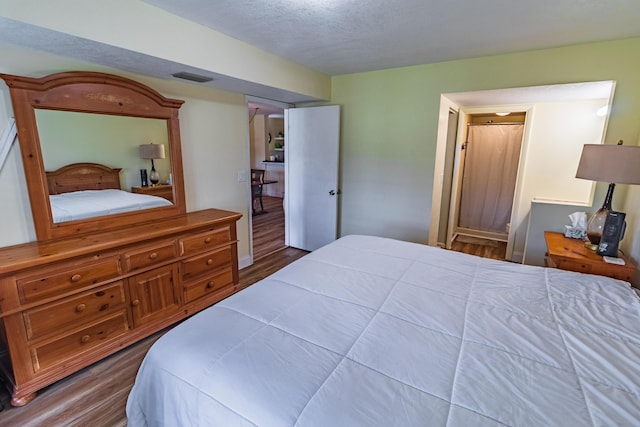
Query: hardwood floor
{"points": [[482, 247], [97, 395], [268, 228]]}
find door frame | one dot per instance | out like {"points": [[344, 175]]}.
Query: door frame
{"points": [[463, 112], [245, 175]]}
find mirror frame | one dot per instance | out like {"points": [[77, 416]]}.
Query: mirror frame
{"points": [[88, 92]]}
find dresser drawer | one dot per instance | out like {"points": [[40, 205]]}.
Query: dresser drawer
{"points": [[52, 281], [208, 262], [150, 255], [67, 347], [198, 288], [204, 241], [56, 317]]}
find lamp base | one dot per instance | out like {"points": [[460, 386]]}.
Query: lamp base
{"points": [[590, 246], [595, 226], [154, 176]]}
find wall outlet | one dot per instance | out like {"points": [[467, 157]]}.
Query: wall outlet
{"points": [[242, 176]]}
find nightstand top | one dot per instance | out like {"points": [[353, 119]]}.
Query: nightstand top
{"points": [[154, 186], [566, 247]]}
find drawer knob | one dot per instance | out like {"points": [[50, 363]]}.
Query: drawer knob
{"points": [[85, 338], [209, 285], [80, 308], [75, 278], [207, 240], [153, 255], [209, 261], [135, 302]]}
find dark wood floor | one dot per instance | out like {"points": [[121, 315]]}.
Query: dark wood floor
{"points": [[97, 395], [482, 247], [268, 228]]}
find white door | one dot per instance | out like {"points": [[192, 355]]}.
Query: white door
{"points": [[311, 176]]}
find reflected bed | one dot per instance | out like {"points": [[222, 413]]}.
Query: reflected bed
{"points": [[370, 331], [92, 203], [87, 190]]}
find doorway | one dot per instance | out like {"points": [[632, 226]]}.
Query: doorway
{"points": [[560, 119], [266, 152], [307, 171], [488, 164]]}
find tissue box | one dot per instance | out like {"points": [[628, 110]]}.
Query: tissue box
{"points": [[574, 232]]}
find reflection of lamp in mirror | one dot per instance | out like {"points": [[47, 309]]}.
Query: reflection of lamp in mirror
{"points": [[615, 164], [150, 152]]}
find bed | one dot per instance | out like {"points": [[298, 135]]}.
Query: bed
{"points": [[369, 331], [86, 190]]}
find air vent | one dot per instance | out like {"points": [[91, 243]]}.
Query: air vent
{"points": [[192, 77]]}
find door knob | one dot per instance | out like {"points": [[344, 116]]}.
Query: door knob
{"points": [[332, 193]]}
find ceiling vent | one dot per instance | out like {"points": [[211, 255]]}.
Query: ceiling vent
{"points": [[192, 77]]}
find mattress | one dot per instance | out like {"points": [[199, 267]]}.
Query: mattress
{"points": [[91, 203], [370, 331]]}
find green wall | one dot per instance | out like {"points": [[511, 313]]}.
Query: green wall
{"points": [[390, 120], [69, 137]]}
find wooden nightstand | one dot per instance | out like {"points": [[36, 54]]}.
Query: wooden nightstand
{"points": [[161, 190], [571, 254]]}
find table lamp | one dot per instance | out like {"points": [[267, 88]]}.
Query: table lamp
{"points": [[151, 152], [615, 164]]}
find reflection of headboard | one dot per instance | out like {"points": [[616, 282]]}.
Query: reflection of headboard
{"points": [[83, 176]]}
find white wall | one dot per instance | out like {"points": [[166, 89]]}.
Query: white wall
{"points": [[17, 223], [558, 132]]}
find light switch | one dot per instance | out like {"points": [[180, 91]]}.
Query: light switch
{"points": [[242, 176]]}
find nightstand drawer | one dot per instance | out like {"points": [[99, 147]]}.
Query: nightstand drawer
{"points": [[573, 266], [56, 317]]}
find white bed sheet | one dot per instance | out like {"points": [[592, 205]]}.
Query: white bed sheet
{"points": [[91, 203], [375, 332]]}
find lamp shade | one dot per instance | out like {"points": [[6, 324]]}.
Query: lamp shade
{"points": [[618, 164], [152, 151]]}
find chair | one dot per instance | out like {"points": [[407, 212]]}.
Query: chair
{"points": [[257, 182]]}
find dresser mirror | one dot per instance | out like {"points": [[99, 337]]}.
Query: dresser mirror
{"points": [[79, 135]]}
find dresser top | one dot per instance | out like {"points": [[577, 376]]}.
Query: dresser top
{"points": [[17, 257]]}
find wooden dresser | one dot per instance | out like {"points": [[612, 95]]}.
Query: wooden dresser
{"points": [[69, 302]]}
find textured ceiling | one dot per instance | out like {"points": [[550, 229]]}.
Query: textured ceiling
{"points": [[346, 36], [343, 36]]}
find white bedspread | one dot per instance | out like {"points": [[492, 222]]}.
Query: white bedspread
{"points": [[90, 203], [376, 332]]}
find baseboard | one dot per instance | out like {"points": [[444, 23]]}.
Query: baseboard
{"points": [[517, 257], [244, 262]]}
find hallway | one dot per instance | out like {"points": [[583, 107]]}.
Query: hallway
{"points": [[268, 228]]}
